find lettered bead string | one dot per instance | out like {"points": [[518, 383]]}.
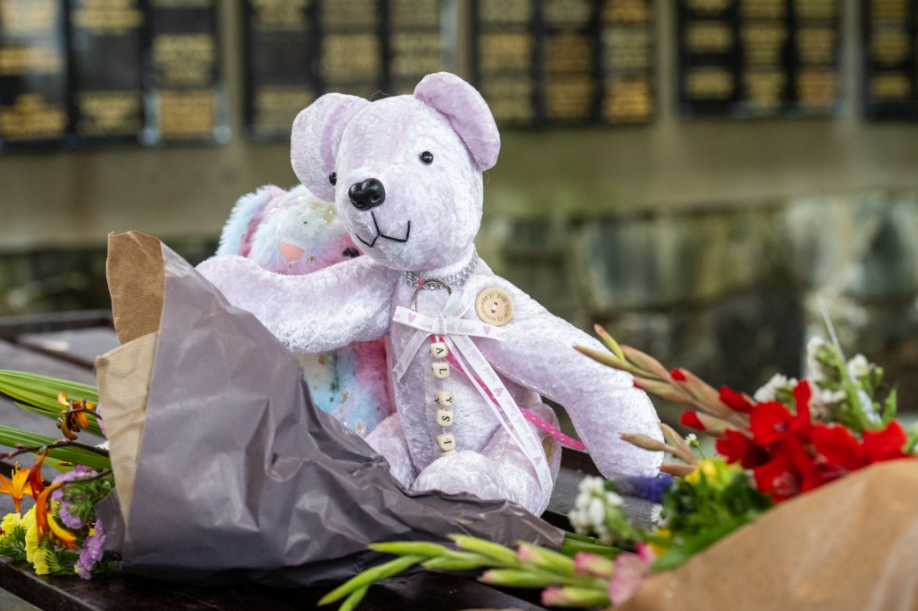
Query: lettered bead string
{"points": [[457, 334], [530, 416]]}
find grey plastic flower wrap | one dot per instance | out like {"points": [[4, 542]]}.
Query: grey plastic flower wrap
{"points": [[238, 474]]}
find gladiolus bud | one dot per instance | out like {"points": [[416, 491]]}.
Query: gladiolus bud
{"points": [[574, 597], [691, 420], [593, 565], [645, 442], [544, 558]]}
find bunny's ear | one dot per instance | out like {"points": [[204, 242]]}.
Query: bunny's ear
{"points": [[466, 111], [316, 135]]}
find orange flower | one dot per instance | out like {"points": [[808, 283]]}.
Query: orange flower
{"points": [[18, 487], [36, 481], [46, 523]]}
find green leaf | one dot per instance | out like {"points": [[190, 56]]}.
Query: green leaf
{"points": [[889, 407], [81, 455], [39, 393], [354, 599], [679, 553], [410, 548], [12, 544], [48, 386], [369, 577]]}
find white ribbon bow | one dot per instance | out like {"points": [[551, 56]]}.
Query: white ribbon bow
{"points": [[457, 333]]}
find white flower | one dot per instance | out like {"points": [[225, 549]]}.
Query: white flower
{"points": [[597, 512], [592, 484], [817, 371], [691, 438], [613, 499], [858, 367], [656, 516], [826, 396], [770, 390]]}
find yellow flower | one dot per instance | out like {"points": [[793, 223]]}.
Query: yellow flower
{"points": [[10, 522], [18, 487], [28, 520], [31, 542], [660, 548], [40, 561], [717, 473]]}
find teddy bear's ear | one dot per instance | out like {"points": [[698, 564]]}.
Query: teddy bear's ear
{"points": [[315, 138], [467, 112]]}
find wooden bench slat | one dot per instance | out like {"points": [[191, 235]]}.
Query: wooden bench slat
{"points": [[80, 346]]}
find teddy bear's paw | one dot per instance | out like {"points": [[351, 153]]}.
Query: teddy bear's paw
{"points": [[480, 475], [466, 471]]}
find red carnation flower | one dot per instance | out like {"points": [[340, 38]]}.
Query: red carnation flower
{"points": [[886, 444], [739, 448]]}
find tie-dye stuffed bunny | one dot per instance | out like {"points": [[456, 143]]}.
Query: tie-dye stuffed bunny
{"points": [[296, 233]]}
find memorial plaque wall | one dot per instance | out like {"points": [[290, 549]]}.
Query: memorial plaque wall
{"points": [[78, 72], [891, 58], [415, 43], [106, 76], [564, 62], [299, 49], [186, 93], [626, 61], [758, 58], [278, 51], [33, 72]]}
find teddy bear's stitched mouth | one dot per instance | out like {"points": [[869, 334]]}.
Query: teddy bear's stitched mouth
{"points": [[380, 234]]}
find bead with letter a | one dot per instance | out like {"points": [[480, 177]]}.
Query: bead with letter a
{"points": [[438, 350]]}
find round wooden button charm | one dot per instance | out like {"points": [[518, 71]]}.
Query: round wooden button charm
{"points": [[494, 306]]}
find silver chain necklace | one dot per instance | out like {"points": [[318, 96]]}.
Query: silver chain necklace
{"points": [[454, 279]]}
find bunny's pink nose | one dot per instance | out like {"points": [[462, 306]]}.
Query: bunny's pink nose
{"points": [[290, 251]]}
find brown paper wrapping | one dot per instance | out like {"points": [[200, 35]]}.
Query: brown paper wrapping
{"points": [[123, 375], [137, 283], [228, 469], [852, 544]]}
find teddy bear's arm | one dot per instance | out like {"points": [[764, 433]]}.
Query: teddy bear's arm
{"points": [[344, 303], [537, 351]]}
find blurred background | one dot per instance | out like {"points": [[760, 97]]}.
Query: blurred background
{"points": [[696, 175]]}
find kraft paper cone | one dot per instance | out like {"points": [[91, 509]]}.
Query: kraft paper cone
{"points": [[852, 544], [123, 376], [137, 283]]}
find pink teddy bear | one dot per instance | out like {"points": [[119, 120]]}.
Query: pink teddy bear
{"points": [[471, 360]]}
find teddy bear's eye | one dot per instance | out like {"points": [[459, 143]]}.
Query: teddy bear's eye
{"points": [[427, 158], [333, 178]]}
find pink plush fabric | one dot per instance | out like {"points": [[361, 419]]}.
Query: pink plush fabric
{"points": [[355, 300]]}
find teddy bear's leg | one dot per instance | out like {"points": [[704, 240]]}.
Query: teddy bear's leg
{"points": [[500, 471], [388, 438]]}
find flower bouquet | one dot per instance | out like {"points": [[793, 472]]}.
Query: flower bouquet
{"points": [[60, 534], [752, 525]]}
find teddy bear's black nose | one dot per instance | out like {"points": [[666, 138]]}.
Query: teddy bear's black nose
{"points": [[367, 194]]}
